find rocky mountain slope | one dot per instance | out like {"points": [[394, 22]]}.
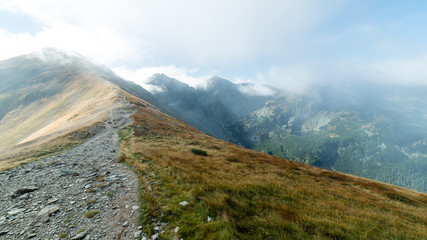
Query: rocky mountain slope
{"points": [[64, 111], [79, 194]]}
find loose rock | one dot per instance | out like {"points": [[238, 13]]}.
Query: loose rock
{"points": [[49, 210], [54, 201], [15, 212], [155, 236], [23, 190], [137, 234], [80, 235]]}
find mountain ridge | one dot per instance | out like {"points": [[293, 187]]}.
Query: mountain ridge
{"points": [[50, 94], [191, 185]]}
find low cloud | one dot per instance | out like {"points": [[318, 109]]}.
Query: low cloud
{"points": [[142, 75], [412, 71], [305, 78], [297, 78]]}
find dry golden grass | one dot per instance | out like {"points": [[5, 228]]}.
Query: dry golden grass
{"points": [[40, 148], [250, 195], [27, 133]]}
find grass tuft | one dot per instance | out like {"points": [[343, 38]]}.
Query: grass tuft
{"points": [[199, 152], [63, 235], [91, 214]]}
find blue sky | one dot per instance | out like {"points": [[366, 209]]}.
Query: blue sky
{"points": [[289, 44]]}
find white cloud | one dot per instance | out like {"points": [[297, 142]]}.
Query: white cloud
{"points": [[16, 44], [296, 78], [214, 34], [287, 41], [412, 71], [87, 42], [142, 75]]}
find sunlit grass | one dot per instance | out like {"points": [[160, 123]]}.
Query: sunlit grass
{"points": [[27, 134], [250, 195]]}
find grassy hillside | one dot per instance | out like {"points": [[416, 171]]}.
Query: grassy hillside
{"points": [[250, 195], [37, 124]]}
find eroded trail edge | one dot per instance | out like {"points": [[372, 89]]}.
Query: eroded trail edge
{"points": [[80, 194]]}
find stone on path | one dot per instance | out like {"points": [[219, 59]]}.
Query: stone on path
{"points": [[49, 210], [79, 236], [24, 190], [16, 211], [137, 234]]}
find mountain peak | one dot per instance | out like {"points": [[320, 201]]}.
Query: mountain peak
{"points": [[167, 83], [58, 56], [218, 83], [218, 80]]}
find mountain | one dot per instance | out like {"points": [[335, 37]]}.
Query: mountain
{"points": [[211, 108], [191, 185], [374, 131], [47, 96], [386, 145]]}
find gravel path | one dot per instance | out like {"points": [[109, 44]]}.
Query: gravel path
{"points": [[80, 194]]}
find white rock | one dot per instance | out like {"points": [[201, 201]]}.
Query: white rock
{"points": [[15, 212], [155, 236], [137, 234], [53, 200], [209, 219], [183, 203], [49, 210], [125, 224], [176, 230], [135, 208], [79, 236]]}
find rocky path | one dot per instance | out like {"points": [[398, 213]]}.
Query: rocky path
{"points": [[80, 194]]}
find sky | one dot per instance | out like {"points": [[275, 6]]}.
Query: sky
{"points": [[290, 45]]}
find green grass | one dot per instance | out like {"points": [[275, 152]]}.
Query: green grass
{"points": [[91, 214], [250, 195], [63, 235], [91, 201]]}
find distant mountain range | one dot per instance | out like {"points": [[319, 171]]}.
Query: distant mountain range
{"points": [[378, 132]]}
